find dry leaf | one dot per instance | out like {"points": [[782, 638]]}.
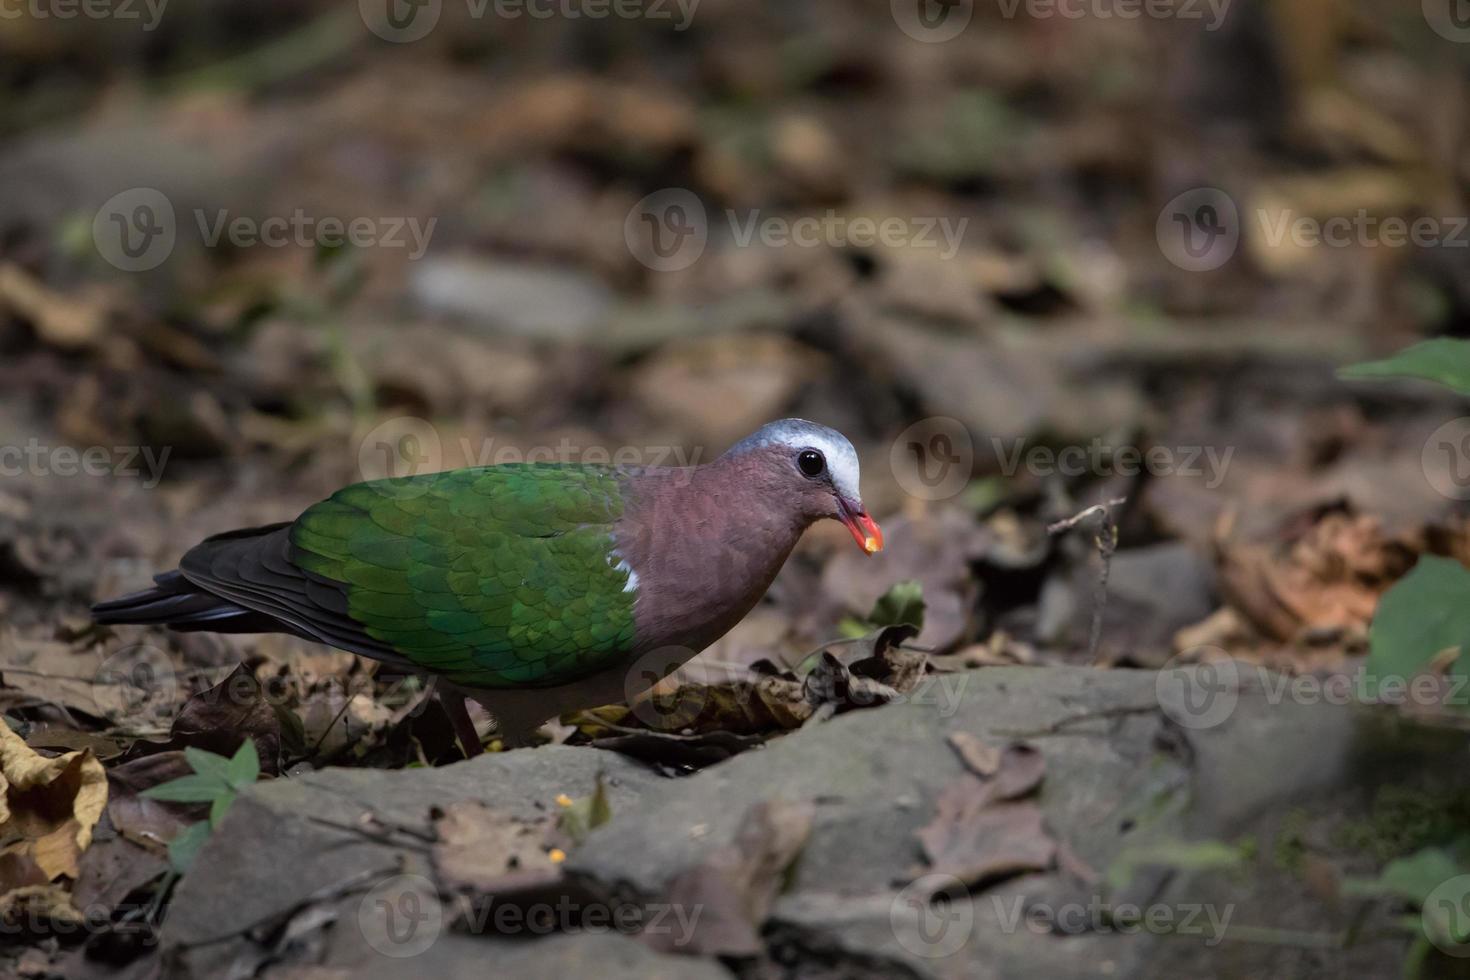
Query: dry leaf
{"points": [[735, 887], [49, 806], [982, 759], [479, 846], [980, 831]]}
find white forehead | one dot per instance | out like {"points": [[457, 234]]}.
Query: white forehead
{"points": [[798, 434]]}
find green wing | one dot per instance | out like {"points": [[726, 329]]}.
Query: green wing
{"points": [[500, 576]]}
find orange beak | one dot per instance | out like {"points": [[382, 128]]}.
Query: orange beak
{"points": [[865, 530]]}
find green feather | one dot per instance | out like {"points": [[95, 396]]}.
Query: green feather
{"points": [[498, 576]]}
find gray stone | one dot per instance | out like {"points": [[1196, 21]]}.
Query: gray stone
{"points": [[515, 297], [1145, 773]]}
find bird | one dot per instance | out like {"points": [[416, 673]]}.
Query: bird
{"points": [[532, 588]]}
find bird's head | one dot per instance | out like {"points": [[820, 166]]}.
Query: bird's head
{"points": [[817, 467]]}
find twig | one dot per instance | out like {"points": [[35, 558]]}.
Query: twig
{"points": [[1107, 543]]}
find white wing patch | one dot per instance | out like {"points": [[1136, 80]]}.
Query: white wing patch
{"points": [[619, 563]]}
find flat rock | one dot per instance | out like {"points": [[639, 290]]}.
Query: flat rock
{"points": [[1150, 778]]}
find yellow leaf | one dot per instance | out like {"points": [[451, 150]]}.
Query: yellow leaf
{"points": [[49, 806]]}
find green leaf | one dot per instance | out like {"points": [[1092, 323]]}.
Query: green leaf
{"points": [[185, 845], [903, 603], [584, 815], [1202, 855], [194, 788], [1445, 360], [1426, 612], [207, 763], [1411, 878], [220, 807], [244, 767]]}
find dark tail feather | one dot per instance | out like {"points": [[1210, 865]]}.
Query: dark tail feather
{"points": [[179, 604]]}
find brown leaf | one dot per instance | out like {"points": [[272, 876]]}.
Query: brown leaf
{"points": [[1021, 770], [982, 758], [65, 321], [735, 886], [870, 672], [49, 805], [150, 823], [112, 869], [235, 709], [980, 831], [479, 846]]}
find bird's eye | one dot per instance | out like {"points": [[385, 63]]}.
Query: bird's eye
{"points": [[811, 462]]}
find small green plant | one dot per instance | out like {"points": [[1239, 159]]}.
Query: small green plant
{"points": [[902, 604], [1426, 614], [1436, 882], [215, 780]]}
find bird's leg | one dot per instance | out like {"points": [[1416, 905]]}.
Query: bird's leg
{"points": [[517, 714], [464, 727]]}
